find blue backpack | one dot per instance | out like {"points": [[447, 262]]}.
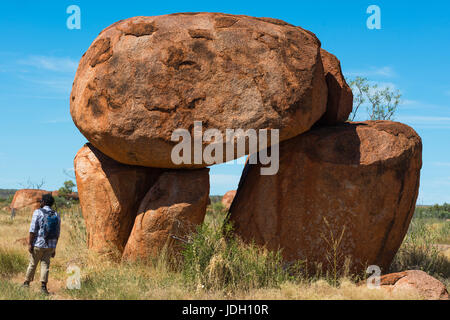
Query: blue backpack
{"points": [[50, 225]]}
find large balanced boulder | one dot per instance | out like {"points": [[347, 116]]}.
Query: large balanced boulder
{"points": [[27, 199], [110, 193], [340, 96], [346, 191], [172, 209], [428, 287], [145, 77]]}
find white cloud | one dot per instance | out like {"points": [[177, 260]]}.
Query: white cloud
{"points": [[425, 106], [427, 119], [441, 164], [383, 85], [386, 72], [59, 84], [432, 122], [408, 102], [58, 64], [383, 71]]}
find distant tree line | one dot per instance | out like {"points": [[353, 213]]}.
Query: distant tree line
{"points": [[6, 193], [436, 211]]}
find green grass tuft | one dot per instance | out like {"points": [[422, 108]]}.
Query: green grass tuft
{"points": [[13, 291], [215, 260], [420, 251], [12, 262]]}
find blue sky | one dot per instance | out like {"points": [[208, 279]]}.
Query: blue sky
{"points": [[39, 56]]}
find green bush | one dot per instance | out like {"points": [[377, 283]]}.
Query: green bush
{"points": [[67, 189], [215, 260], [63, 203], [382, 103], [419, 251], [215, 208]]}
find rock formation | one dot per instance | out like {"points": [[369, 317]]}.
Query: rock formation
{"points": [[144, 77], [27, 199], [356, 179], [171, 210], [427, 286], [353, 185], [110, 193], [227, 198], [340, 96]]}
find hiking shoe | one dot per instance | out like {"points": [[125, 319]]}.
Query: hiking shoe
{"points": [[26, 284], [44, 290]]}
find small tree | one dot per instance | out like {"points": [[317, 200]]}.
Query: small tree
{"points": [[32, 184], [383, 103], [360, 87], [67, 189]]}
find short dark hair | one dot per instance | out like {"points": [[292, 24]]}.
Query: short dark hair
{"points": [[47, 200]]}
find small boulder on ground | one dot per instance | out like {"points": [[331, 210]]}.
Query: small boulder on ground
{"points": [[172, 209], [427, 286], [110, 193]]}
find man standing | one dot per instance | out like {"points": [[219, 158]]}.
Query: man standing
{"points": [[44, 234]]}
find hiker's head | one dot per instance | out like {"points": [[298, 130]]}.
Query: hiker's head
{"points": [[47, 200]]}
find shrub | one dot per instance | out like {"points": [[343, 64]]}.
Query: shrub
{"points": [[216, 260], [67, 189], [216, 208], [382, 103], [419, 251]]}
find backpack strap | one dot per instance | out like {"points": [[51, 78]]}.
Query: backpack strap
{"points": [[46, 212]]}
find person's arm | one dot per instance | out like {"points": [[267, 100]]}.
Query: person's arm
{"points": [[33, 230], [30, 242]]}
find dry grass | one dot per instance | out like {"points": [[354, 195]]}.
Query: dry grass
{"points": [[236, 271]]}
